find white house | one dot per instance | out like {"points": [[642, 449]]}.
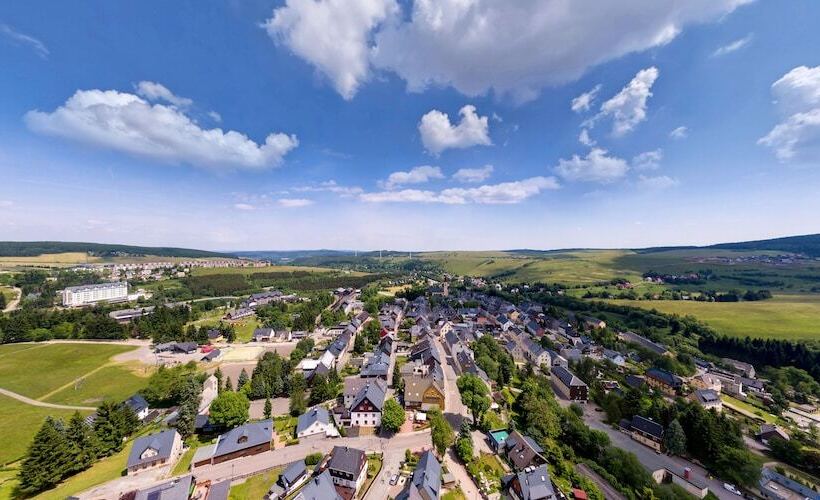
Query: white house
{"points": [[315, 421]]}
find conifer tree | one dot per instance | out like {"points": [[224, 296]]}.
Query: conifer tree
{"points": [[228, 384], [48, 459], [82, 442], [268, 408]]}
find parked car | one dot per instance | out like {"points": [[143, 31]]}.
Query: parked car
{"points": [[394, 479], [731, 488]]}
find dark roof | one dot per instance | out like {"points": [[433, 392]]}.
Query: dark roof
{"points": [[161, 442], [647, 426], [293, 473], [521, 450], [346, 459], [534, 484], [567, 377], [374, 393], [707, 395], [137, 403], [319, 488], [426, 481], [176, 489], [634, 381], [768, 475], [376, 366], [664, 376], [244, 436], [219, 491]]}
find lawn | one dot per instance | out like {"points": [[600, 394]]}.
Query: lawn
{"points": [[245, 328], [488, 467], [256, 486], [37, 372], [455, 494], [103, 471], [751, 409], [117, 382], [20, 423], [792, 317], [374, 466], [184, 462], [285, 427]]}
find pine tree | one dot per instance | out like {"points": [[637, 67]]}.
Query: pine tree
{"points": [[189, 407], [219, 377], [297, 402], [243, 379], [83, 443], [228, 384], [48, 459], [268, 408], [675, 439], [106, 429]]}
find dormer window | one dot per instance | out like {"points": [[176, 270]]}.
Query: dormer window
{"points": [[148, 453]]}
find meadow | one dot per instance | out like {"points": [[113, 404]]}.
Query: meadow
{"points": [[205, 271], [117, 382], [786, 316], [47, 368], [20, 423]]}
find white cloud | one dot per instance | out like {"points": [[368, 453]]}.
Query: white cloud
{"points": [[473, 174], [153, 91], [243, 206], [332, 35], [656, 183], [417, 175], [797, 136], [215, 116], [294, 202], [585, 139], [649, 160], [504, 193], [733, 46], [584, 101], [438, 134], [478, 46], [22, 39], [679, 133], [126, 122], [628, 107], [332, 187], [596, 166]]}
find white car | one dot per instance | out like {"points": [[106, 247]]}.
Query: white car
{"points": [[731, 488], [394, 479]]}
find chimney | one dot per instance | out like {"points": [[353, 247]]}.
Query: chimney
{"points": [[687, 473]]}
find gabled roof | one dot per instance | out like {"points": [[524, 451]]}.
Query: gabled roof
{"points": [[312, 416], [319, 488], [567, 377], [376, 366], [162, 443], [137, 403], [243, 437], [426, 481], [707, 396], [293, 473], [664, 376], [647, 426], [371, 392], [176, 489], [534, 484], [346, 459]]}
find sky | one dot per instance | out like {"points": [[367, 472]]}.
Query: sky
{"points": [[409, 125]]}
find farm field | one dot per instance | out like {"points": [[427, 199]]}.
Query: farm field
{"points": [[117, 382], [50, 259], [792, 317], [48, 367], [20, 423]]}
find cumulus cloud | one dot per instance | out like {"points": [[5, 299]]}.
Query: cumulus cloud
{"points": [[584, 101], [797, 136], [628, 107], [733, 46], [473, 174], [417, 175], [243, 206], [596, 166], [585, 139], [505, 193], [679, 133], [153, 91], [656, 183], [477, 46], [128, 123], [332, 35], [294, 202], [438, 134], [19, 38], [649, 160]]}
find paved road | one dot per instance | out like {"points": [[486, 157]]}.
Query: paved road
{"points": [[651, 460], [34, 402], [609, 492]]}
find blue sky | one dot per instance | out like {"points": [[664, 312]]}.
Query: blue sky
{"points": [[409, 125]]}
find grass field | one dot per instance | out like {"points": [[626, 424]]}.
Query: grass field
{"points": [[204, 271], [103, 471], [20, 423], [753, 411], [781, 317], [51, 259], [255, 486], [48, 367], [117, 382]]}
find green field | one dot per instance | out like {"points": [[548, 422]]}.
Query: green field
{"points": [[49, 367], [20, 423], [204, 271], [781, 317], [117, 382], [103, 471]]}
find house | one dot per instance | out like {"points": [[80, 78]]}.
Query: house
{"points": [[769, 432], [516, 350], [594, 323], [386, 344], [377, 365], [635, 381], [739, 367], [347, 467], [706, 381], [246, 440], [176, 347], [290, 479], [215, 335], [236, 314], [138, 405], [319, 488], [212, 355], [708, 399], [426, 481], [423, 392], [634, 338], [645, 431], [366, 409], [664, 381], [353, 385], [522, 451], [264, 334], [533, 483], [570, 386], [557, 360], [315, 422], [536, 354], [775, 486], [614, 357], [175, 489], [154, 450]]}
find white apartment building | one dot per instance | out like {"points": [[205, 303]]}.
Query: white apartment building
{"points": [[74, 296]]}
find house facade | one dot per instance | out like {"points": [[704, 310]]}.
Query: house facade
{"points": [[153, 451]]}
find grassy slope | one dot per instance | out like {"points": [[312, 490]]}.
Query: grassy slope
{"points": [[782, 317], [36, 372]]}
